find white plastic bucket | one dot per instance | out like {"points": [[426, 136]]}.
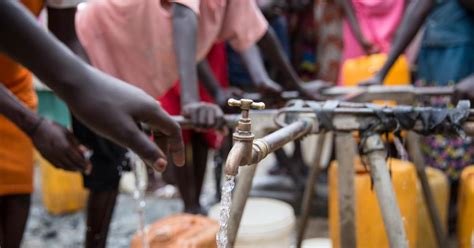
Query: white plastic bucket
{"points": [[266, 223], [317, 243]]}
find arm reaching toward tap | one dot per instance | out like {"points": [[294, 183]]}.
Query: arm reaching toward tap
{"points": [[107, 105], [210, 82], [54, 142], [414, 17], [204, 115], [272, 48], [254, 63], [349, 13]]}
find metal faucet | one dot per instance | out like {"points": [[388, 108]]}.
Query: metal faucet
{"points": [[243, 137], [246, 150]]}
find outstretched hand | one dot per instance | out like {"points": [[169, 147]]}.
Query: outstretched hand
{"points": [[59, 146], [269, 88], [464, 89], [312, 90], [112, 108], [226, 94], [371, 81]]}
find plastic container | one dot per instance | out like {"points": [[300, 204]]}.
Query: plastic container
{"points": [[180, 231], [370, 231], [266, 223], [465, 225], [440, 188], [365, 67], [316, 243], [62, 191]]}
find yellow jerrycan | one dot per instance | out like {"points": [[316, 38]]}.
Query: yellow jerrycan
{"points": [[364, 67], [440, 188], [465, 225], [63, 191], [370, 231]]}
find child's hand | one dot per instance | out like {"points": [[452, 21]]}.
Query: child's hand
{"points": [[59, 146], [226, 94], [464, 89], [269, 88], [204, 115]]}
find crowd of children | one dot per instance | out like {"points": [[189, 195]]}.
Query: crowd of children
{"points": [[120, 62]]}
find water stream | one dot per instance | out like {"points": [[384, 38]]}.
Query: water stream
{"points": [[226, 200], [139, 167]]}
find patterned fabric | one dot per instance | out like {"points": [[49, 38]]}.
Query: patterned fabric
{"points": [[445, 58], [450, 155], [328, 18]]}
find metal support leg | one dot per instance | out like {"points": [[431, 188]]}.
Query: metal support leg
{"points": [[392, 218], [241, 194], [345, 153], [416, 156], [309, 189]]}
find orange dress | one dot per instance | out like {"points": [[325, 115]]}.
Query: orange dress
{"points": [[16, 149]]}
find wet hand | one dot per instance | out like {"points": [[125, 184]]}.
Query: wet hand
{"points": [[112, 108], [59, 146]]}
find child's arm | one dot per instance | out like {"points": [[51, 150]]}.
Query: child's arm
{"points": [[207, 78], [349, 13], [272, 49], [253, 61], [203, 115], [94, 97], [413, 19], [54, 142]]}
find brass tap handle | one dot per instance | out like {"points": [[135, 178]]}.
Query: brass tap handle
{"points": [[246, 104]]}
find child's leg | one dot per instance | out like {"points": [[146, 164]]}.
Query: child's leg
{"points": [[108, 162], [184, 178], [13, 217], [200, 152], [100, 208]]}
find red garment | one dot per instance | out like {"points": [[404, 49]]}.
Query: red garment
{"points": [[171, 100]]}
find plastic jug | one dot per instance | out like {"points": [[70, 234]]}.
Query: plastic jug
{"points": [[465, 225], [440, 188], [362, 68], [370, 231], [63, 191]]}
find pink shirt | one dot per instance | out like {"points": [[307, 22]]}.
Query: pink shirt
{"points": [[133, 39], [378, 20]]}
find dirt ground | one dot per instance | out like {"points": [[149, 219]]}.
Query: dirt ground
{"points": [[67, 231]]}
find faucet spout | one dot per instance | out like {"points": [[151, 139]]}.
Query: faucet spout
{"points": [[239, 155]]}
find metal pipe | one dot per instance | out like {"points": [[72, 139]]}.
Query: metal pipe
{"points": [[240, 155], [239, 200], [413, 143], [376, 92], [345, 154], [276, 140], [309, 190], [391, 215]]}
